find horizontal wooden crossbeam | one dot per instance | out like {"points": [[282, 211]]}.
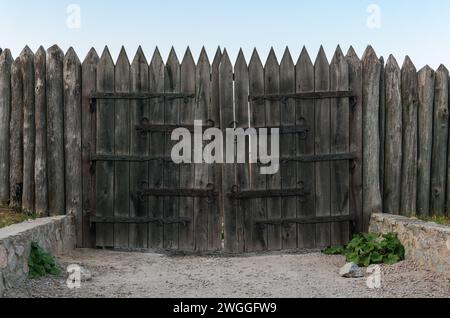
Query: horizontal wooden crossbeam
{"points": [[142, 96], [200, 193], [307, 220], [138, 220], [128, 158], [253, 194], [298, 96]]}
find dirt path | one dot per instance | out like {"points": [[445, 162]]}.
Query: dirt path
{"points": [[301, 275]]}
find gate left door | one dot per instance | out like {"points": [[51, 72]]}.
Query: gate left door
{"points": [[143, 199]]}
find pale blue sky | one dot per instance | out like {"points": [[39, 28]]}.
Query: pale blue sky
{"points": [[417, 28]]}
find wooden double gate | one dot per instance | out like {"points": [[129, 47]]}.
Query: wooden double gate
{"points": [[145, 201]]}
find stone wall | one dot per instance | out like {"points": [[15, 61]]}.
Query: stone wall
{"points": [[56, 235], [428, 244]]}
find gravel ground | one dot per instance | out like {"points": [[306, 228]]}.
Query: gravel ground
{"points": [[307, 275]]}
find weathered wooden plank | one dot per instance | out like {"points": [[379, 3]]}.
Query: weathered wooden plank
{"points": [[88, 135], [304, 115], [187, 171], [40, 164], [440, 140], [16, 136], [172, 80], [6, 61], [105, 145], [215, 175], [202, 171], [356, 138], [244, 212], [29, 130], [272, 86], [139, 171], [408, 205], [393, 142], [156, 143], [426, 82], [371, 70], [55, 131], [382, 126], [323, 145], [229, 170], [340, 143], [258, 181], [288, 144], [72, 134], [122, 180]]}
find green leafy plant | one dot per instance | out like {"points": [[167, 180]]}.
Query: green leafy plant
{"points": [[41, 263], [367, 249]]}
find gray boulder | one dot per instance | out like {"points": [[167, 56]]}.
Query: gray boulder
{"points": [[351, 270]]}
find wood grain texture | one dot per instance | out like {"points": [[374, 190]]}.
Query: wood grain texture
{"points": [[201, 180], [172, 80], [29, 129], [244, 212], [305, 115], [6, 61], [156, 144], [371, 138], [426, 82], [382, 126], [408, 204], [187, 171], [340, 143], [356, 138], [288, 144], [258, 181], [439, 164], [88, 139], [72, 140], [55, 131], [122, 139], [393, 142], [16, 136], [322, 146], [105, 145], [229, 170]]}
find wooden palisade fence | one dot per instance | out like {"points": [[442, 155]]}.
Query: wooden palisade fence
{"points": [[77, 138]]}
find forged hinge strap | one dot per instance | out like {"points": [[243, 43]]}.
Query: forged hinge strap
{"points": [[299, 96], [126, 158], [141, 96], [255, 194], [145, 127], [310, 220]]}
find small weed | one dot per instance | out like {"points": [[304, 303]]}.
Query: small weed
{"points": [[367, 249], [442, 220], [41, 263]]}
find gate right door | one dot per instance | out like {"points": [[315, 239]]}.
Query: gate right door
{"points": [[307, 203]]}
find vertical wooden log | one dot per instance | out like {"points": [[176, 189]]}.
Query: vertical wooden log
{"points": [[288, 144], [244, 212], [55, 131], [29, 129], [356, 138], [5, 117], [305, 116], [105, 145], [139, 171], [258, 181], [382, 127], [340, 143], [202, 171], [122, 130], [393, 143], [409, 166], [426, 80], [322, 146], [156, 143], [16, 136], [40, 164], [88, 135], [187, 111], [272, 86], [72, 138], [371, 138], [229, 170], [215, 220], [172, 79], [439, 167]]}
